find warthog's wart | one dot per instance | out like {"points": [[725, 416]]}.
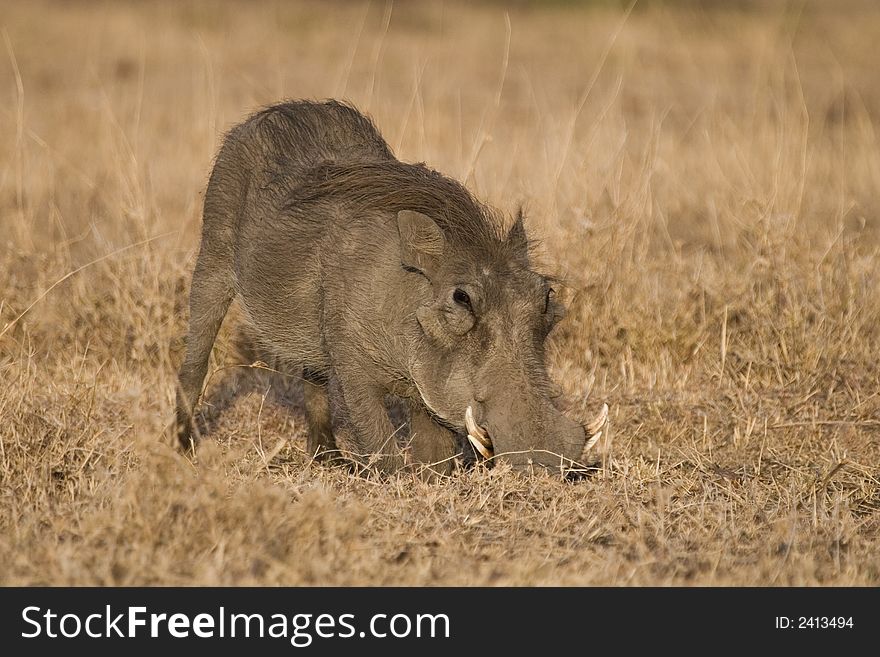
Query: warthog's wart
{"points": [[376, 278]]}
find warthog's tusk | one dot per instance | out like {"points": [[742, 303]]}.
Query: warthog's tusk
{"points": [[594, 430], [477, 436], [484, 451], [590, 442], [599, 423], [474, 430]]}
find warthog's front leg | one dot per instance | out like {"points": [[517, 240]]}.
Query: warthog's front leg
{"points": [[431, 443], [365, 413], [321, 442]]}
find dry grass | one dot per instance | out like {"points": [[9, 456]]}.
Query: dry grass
{"points": [[706, 179]]}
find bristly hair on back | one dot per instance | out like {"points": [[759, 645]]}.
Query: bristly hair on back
{"points": [[392, 186]]}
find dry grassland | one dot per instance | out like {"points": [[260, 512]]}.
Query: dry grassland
{"points": [[705, 177]]}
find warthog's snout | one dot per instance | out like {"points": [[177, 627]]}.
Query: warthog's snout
{"points": [[573, 439]]}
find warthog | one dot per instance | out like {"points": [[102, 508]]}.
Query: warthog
{"points": [[376, 278]]}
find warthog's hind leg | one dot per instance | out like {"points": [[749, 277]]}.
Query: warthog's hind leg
{"points": [[210, 296]]}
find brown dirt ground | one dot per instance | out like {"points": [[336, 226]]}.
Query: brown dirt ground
{"points": [[704, 178]]}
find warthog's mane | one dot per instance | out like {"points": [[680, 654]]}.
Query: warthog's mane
{"points": [[392, 186]]}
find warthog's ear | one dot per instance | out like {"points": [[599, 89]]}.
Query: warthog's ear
{"points": [[421, 241], [516, 237]]}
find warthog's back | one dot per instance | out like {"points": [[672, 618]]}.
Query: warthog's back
{"points": [[263, 157], [300, 134]]}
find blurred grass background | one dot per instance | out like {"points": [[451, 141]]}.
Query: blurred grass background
{"points": [[704, 176]]}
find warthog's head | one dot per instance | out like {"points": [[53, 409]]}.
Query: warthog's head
{"points": [[479, 366]]}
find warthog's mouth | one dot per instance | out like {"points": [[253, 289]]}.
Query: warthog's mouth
{"points": [[482, 442]]}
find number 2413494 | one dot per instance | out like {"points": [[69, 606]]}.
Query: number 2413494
{"points": [[814, 622]]}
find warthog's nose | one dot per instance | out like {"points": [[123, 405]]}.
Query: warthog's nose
{"points": [[555, 441], [528, 430]]}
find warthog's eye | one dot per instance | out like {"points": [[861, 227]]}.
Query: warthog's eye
{"points": [[547, 299], [462, 298]]}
